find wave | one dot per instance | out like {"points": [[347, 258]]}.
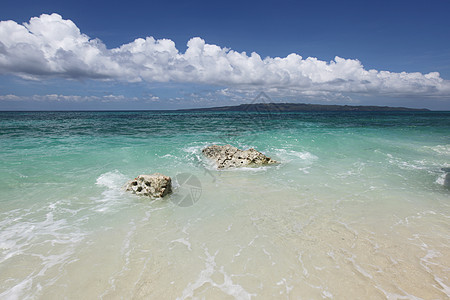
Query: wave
{"points": [[113, 195], [292, 155], [440, 149]]}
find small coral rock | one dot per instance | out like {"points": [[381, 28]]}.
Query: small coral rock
{"points": [[154, 185]]}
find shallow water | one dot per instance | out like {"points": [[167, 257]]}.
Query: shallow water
{"points": [[356, 209]]}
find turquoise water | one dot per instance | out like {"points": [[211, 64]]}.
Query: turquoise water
{"points": [[356, 209]]}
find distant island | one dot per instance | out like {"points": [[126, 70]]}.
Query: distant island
{"points": [[299, 107]]}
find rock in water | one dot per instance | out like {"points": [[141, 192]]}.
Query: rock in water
{"points": [[231, 157], [154, 185]]}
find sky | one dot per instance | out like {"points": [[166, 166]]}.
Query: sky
{"points": [[133, 55]]}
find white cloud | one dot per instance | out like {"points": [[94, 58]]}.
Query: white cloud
{"points": [[68, 98], [10, 97], [51, 46]]}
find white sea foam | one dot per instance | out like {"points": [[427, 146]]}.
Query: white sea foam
{"points": [[193, 149], [196, 149], [247, 169], [440, 149], [205, 276], [45, 238], [196, 158], [441, 179], [406, 165], [183, 241], [426, 262], [304, 270], [289, 155], [113, 180], [112, 196], [305, 170], [395, 296], [288, 288], [19, 290]]}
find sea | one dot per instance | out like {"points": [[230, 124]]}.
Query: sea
{"points": [[357, 208]]}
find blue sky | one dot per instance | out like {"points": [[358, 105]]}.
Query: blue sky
{"points": [[88, 55]]}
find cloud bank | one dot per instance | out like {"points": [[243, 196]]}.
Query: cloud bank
{"points": [[72, 98], [50, 46]]}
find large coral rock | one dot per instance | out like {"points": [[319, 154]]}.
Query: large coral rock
{"points": [[155, 185], [231, 157]]}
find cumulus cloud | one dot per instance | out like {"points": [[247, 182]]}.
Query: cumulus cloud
{"points": [[50, 46]]}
